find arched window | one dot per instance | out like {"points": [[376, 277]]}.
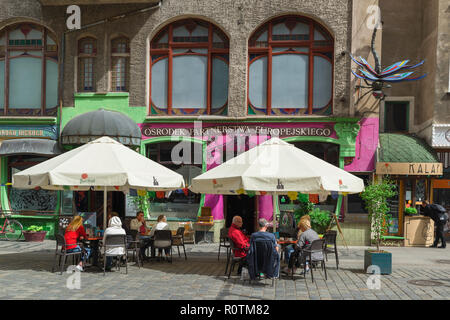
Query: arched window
{"points": [[87, 51], [120, 57], [290, 68], [28, 71], [189, 69]]}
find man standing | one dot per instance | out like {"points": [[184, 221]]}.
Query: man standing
{"points": [[138, 224], [439, 215]]}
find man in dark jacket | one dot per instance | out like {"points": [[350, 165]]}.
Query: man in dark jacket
{"points": [[438, 214], [263, 257]]}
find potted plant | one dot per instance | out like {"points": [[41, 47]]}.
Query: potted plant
{"points": [[410, 211], [375, 197], [35, 234]]}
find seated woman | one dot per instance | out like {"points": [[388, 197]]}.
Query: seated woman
{"points": [[290, 248], [160, 225], [304, 242], [115, 227], [75, 231]]}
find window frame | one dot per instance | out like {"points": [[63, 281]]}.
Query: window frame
{"points": [[314, 49], [166, 51], [48, 52], [81, 64], [119, 55], [410, 100]]}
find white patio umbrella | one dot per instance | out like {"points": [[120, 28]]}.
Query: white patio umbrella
{"points": [[276, 167], [103, 164]]}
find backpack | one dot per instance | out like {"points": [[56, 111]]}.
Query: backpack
{"points": [[440, 212]]}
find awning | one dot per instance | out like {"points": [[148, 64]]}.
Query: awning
{"points": [[401, 154], [42, 147], [92, 125]]}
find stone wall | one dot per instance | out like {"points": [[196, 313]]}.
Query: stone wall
{"points": [[237, 18]]}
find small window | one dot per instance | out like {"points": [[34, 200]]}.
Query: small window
{"points": [[396, 115], [87, 51], [120, 57]]}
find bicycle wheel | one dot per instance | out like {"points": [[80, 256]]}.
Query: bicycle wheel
{"points": [[13, 230]]}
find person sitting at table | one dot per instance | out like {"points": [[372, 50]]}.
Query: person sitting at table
{"points": [[240, 240], [74, 232], [307, 236], [271, 259], [115, 227], [138, 224], [160, 225], [290, 248]]}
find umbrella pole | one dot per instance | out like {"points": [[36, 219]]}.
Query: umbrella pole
{"points": [[105, 204], [274, 201]]}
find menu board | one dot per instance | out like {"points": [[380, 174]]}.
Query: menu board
{"points": [[393, 205]]}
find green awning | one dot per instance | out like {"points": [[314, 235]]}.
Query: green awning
{"points": [[405, 148], [400, 154]]}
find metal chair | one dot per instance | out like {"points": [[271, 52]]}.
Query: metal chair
{"points": [[163, 240], [115, 241], [233, 258], [133, 245], [224, 242], [178, 240], [317, 246], [330, 238], [62, 252]]}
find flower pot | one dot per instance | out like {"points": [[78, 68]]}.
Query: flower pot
{"points": [[381, 259], [38, 236]]}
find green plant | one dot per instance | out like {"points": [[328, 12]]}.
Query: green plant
{"points": [[375, 197], [305, 207], [35, 228], [320, 219], [411, 211], [142, 202]]}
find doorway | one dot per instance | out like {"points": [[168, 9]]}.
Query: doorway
{"points": [[244, 206]]}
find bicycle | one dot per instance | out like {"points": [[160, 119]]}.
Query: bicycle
{"points": [[12, 229]]}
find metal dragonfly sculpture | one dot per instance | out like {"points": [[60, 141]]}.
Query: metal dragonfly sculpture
{"points": [[376, 79]]}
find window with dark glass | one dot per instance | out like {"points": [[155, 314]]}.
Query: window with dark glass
{"points": [[355, 204], [189, 69], [39, 200], [396, 115], [290, 68], [120, 57], [87, 51], [28, 71], [181, 203]]}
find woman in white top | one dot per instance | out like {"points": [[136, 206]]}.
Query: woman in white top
{"points": [[160, 225], [115, 227]]}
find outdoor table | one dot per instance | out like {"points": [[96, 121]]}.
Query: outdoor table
{"points": [[206, 226], [283, 244], [94, 244]]}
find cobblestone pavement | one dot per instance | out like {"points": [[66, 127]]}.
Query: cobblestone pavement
{"points": [[25, 273]]}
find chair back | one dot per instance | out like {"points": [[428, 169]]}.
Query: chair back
{"points": [[180, 231], [163, 239], [317, 245], [224, 240], [134, 234], [60, 241], [263, 259], [130, 239], [233, 247], [330, 236], [115, 241]]}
